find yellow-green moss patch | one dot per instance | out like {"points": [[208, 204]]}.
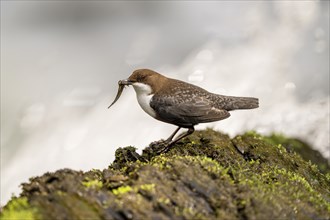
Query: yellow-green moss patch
{"points": [[17, 209], [122, 190], [97, 184]]}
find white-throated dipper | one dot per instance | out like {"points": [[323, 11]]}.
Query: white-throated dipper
{"points": [[180, 103]]}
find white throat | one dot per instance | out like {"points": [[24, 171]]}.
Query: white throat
{"points": [[143, 94]]}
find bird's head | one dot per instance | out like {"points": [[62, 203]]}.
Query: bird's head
{"points": [[145, 80]]}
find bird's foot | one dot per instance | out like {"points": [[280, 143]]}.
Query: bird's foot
{"points": [[154, 149], [164, 149], [158, 144]]}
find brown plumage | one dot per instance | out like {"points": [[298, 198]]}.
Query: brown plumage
{"points": [[180, 103]]}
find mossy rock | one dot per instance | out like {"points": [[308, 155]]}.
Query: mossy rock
{"points": [[205, 176]]}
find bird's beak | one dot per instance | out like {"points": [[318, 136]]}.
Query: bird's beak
{"points": [[125, 82]]}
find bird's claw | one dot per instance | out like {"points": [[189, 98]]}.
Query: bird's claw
{"points": [[164, 150], [161, 146]]}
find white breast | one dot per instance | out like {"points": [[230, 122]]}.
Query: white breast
{"points": [[143, 94]]}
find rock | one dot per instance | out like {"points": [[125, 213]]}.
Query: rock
{"points": [[205, 176]]}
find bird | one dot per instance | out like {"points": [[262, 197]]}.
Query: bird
{"points": [[180, 103]]}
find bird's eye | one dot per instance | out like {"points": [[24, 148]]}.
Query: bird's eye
{"points": [[140, 78]]}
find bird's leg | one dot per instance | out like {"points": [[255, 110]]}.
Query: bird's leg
{"points": [[169, 139], [165, 143], [190, 131]]}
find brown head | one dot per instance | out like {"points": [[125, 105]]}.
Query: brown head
{"points": [[146, 77]]}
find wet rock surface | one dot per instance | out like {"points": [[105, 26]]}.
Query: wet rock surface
{"points": [[205, 176]]}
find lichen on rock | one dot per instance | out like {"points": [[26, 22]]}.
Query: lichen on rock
{"points": [[205, 176]]}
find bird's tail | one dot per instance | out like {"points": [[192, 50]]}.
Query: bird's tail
{"points": [[233, 103]]}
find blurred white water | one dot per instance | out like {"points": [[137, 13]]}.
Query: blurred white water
{"points": [[60, 63]]}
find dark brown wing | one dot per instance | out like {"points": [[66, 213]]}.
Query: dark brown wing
{"points": [[186, 112]]}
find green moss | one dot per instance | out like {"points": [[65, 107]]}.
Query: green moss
{"points": [[148, 187], [17, 209], [122, 190], [273, 185], [97, 184], [207, 175], [302, 148], [125, 189], [160, 162], [254, 134], [327, 176], [164, 200]]}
